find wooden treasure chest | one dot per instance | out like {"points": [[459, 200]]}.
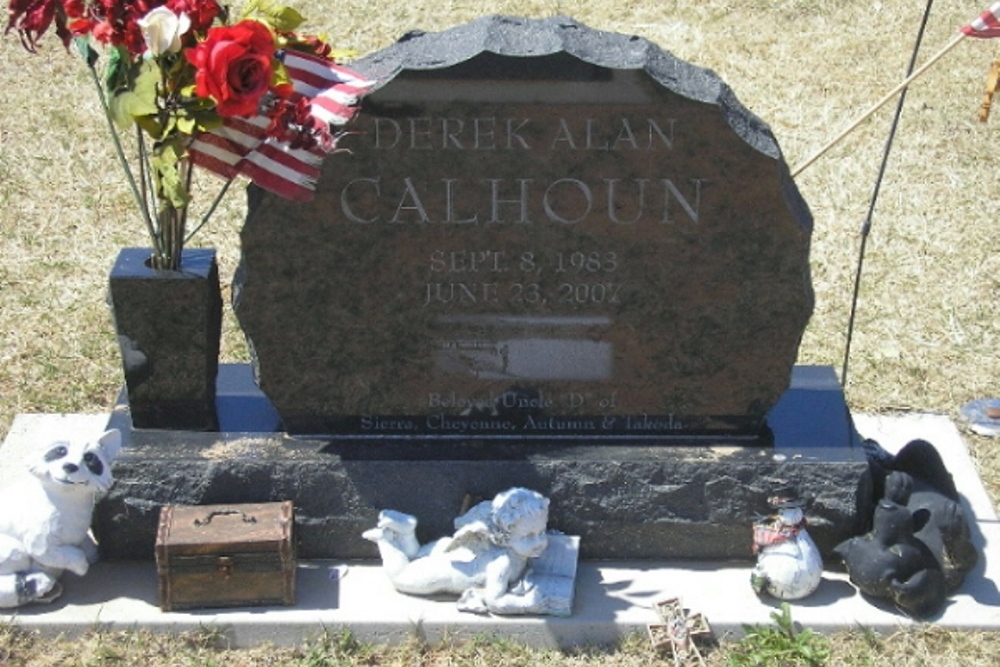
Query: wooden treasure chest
{"points": [[226, 556]]}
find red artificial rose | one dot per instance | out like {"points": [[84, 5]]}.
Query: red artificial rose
{"points": [[112, 22], [31, 18], [201, 12], [80, 21], [234, 66]]}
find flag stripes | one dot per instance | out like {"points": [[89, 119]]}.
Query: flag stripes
{"points": [[334, 90], [986, 25], [241, 145]]}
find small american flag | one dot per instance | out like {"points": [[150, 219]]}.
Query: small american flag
{"points": [[241, 146], [986, 25]]}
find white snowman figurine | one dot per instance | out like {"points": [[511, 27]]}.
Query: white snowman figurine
{"points": [[789, 566]]}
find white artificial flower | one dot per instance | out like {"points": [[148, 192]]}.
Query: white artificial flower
{"points": [[162, 30]]}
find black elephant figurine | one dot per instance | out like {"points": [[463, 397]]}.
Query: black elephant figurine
{"points": [[919, 480], [919, 548], [890, 562]]}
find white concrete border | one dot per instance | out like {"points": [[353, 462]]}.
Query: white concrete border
{"points": [[613, 599]]}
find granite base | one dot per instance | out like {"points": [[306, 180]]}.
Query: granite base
{"points": [[656, 498]]}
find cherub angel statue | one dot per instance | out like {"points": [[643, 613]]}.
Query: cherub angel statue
{"points": [[484, 562]]}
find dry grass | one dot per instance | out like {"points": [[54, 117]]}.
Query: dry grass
{"points": [[927, 331], [916, 647]]}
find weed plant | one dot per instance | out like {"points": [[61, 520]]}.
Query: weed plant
{"points": [[779, 645]]}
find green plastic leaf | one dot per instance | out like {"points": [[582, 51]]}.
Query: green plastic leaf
{"points": [[339, 55], [196, 123], [279, 17], [140, 100], [116, 75], [195, 114], [206, 122], [150, 125], [280, 75], [171, 187], [187, 125], [86, 50]]}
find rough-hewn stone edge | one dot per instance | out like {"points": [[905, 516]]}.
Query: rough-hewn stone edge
{"points": [[633, 503], [524, 37]]}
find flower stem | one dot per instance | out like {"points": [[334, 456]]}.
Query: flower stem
{"points": [[211, 210], [148, 188], [139, 198]]}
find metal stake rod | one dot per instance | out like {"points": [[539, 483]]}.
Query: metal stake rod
{"points": [[867, 226]]}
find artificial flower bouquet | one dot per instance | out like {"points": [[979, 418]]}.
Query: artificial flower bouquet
{"points": [[246, 96]]}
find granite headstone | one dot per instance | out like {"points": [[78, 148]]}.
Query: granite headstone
{"points": [[540, 229]]}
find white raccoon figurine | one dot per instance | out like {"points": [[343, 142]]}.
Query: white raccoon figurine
{"points": [[45, 518]]}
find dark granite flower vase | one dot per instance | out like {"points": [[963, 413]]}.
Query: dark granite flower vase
{"points": [[168, 325]]}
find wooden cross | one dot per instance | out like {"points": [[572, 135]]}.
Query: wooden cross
{"points": [[678, 629], [991, 89]]}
